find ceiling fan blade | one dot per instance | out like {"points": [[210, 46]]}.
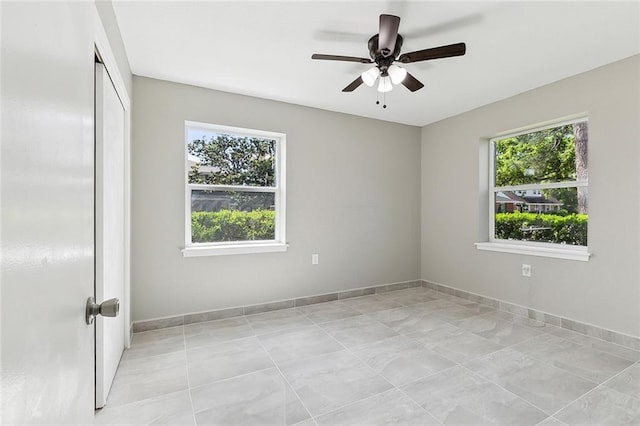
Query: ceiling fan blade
{"points": [[341, 58], [388, 34], [353, 85], [457, 49], [412, 83]]}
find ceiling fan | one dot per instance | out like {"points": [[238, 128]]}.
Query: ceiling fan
{"points": [[384, 49]]}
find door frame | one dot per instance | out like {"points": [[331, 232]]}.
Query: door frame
{"points": [[103, 48]]}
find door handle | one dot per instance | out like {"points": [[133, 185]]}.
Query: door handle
{"points": [[108, 308]]}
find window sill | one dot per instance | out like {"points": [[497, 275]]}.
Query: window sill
{"points": [[568, 253], [212, 250]]}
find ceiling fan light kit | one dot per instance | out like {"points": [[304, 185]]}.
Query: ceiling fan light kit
{"points": [[384, 50]]}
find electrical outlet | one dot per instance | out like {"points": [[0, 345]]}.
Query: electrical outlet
{"points": [[314, 259], [526, 270]]}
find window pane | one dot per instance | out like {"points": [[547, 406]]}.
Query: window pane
{"points": [[221, 159], [558, 154], [551, 216], [232, 216]]}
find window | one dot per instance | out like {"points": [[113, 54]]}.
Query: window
{"points": [[539, 191], [235, 190]]}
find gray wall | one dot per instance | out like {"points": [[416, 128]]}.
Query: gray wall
{"points": [[353, 197], [604, 291]]}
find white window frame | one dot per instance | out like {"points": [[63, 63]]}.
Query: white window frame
{"points": [[278, 244], [531, 248]]}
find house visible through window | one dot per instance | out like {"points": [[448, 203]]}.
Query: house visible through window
{"points": [[539, 186], [235, 189]]}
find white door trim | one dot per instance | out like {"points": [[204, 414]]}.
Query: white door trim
{"points": [[103, 47], [109, 60]]}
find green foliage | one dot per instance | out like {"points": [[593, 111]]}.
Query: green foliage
{"points": [[233, 160], [232, 225], [563, 229], [568, 197], [538, 157]]}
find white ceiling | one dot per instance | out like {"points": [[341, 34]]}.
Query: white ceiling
{"points": [[264, 48]]}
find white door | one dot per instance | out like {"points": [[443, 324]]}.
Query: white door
{"points": [[110, 228], [47, 202]]}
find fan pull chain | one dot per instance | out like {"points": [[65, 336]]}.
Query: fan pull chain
{"points": [[384, 99]]}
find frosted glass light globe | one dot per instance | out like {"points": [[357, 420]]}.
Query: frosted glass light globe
{"points": [[385, 84], [397, 74], [369, 77]]}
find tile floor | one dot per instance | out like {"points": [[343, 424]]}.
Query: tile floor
{"points": [[412, 356]]}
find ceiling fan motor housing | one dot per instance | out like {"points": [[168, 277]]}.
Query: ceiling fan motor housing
{"points": [[379, 58]]}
